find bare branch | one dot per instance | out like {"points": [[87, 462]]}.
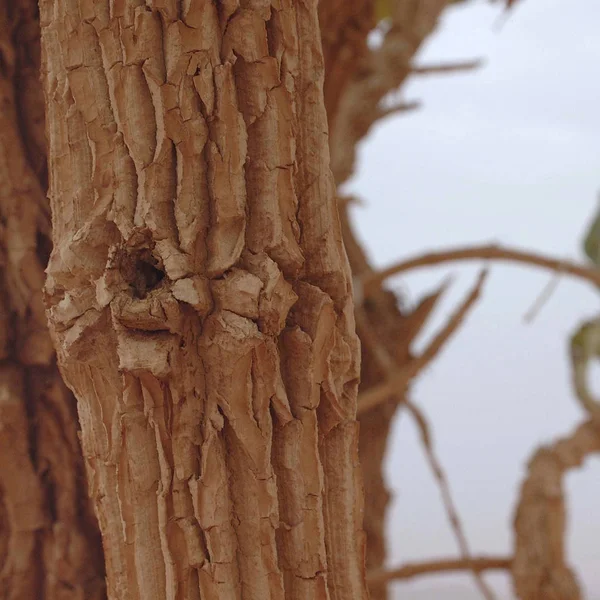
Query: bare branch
{"points": [[421, 312], [453, 323], [442, 481], [398, 108], [402, 377], [541, 300], [539, 567], [410, 570], [443, 68], [490, 252]]}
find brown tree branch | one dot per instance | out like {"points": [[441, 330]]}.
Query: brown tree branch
{"points": [[372, 281], [398, 381], [409, 570], [540, 568], [403, 107], [382, 70], [443, 68]]}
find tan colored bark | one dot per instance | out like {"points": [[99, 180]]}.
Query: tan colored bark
{"points": [[199, 297], [49, 542], [357, 79], [540, 569]]}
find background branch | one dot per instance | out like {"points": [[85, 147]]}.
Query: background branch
{"points": [[401, 377], [443, 68], [410, 570], [372, 281]]}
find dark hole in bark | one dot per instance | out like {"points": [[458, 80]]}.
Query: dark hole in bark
{"points": [[142, 272], [43, 248]]}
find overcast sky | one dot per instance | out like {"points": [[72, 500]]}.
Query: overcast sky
{"points": [[509, 154]]}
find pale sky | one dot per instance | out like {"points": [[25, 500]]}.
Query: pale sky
{"points": [[509, 154]]}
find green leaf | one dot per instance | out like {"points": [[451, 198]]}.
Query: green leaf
{"points": [[591, 242]]}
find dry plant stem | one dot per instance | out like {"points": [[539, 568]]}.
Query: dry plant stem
{"points": [[442, 481], [539, 569], [442, 69], [372, 281], [199, 297], [542, 299], [403, 376], [49, 541], [436, 567]]}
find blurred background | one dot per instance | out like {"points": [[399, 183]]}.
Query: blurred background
{"points": [[509, 154]]}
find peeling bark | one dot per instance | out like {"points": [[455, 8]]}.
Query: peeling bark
{"points": [[49, 542], [199, 296]]}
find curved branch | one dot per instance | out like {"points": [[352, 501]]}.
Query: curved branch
{"points": [[489, 252], [410, 570], [539, 567]]}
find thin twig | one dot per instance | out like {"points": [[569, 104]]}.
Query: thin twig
{"points": [[399, 380], [423, 310], [442, 481], [410, 570], [398, 108], [541, 300], [372, 281], [442, 68]]}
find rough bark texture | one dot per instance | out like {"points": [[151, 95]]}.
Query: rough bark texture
{"points": [[357, 79], [199, 296], [392, 329], [344, 30], [49, 542]]}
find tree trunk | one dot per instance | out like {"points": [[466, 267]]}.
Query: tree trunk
{"points": [[49, 544], [199, 296]]}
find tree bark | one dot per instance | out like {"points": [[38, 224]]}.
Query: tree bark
{"points": [[357, 78], [199, 296], [49, 543]]}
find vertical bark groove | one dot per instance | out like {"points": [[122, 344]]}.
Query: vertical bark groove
{"points": [[199, 296]]}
